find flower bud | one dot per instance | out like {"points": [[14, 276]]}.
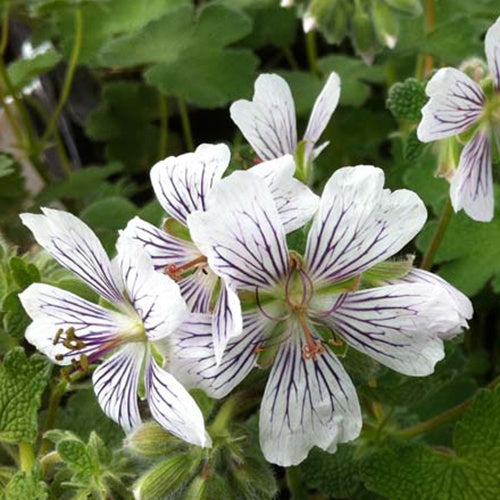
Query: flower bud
{"points": [[318, 13], [151, 440], [385, 23], [475, 68], [208, 488], [166, 477], [363, 35], [412, 7]]}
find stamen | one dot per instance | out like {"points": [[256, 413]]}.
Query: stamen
{"points": [[312, 348], [175, 272]]}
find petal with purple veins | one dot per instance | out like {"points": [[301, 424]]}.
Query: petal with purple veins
{"points": [[65, 326], [492, 49], [397, 325], [472, 185], [197, 289], [181, 183], [295, 202], [241, 233], [155, 297], [268, 120], [307, 403], [359, 224], [173, 407], [75, 246], [163, 248], [116, 382], [456, 102], [322, 111]]}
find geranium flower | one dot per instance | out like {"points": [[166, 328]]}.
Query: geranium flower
{"points": [[458, 104], [268, 120], [181, 185], [147, 308], [296, 307]]}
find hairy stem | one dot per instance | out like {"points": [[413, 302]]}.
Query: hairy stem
{"points": [[450, 414], [444, 220], [68, 80]]}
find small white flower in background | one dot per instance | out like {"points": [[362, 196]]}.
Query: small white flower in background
{"points": [[148, 309], [268, 120], [302, 304], [458, 104], [181, 185]]}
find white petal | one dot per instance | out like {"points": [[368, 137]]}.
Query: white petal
{"points": [[155, 297], [322, 111], [116, 382], [295, 202], [472, 185], [459, 301], [75, 246], [173, 407], [227, 322], [358, 224], [306, 403], [53, 309], [398, 325], [241, 233], [268, 121], [492, 49], [163, 248], [456, 102], [194, 361], [197, 289], [181, 183]]}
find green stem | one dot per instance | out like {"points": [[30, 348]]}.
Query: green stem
{"points": [[290, 58], [186, 124], [438, 420], [162, 146], [237, 403], [444, 220], [26, 456], [55, 399], [312, 52], [68, 80]]}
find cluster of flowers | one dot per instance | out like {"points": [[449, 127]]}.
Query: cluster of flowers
{"points": [[215, 291]]}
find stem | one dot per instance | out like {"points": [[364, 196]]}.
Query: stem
{"points": [[312, 52], [376, 406], [55, 399], [68, 80], [26, 456], [290, 58], [186, 124], [162, 146], [237, 403], [438, 236], [451, 414], [430, 10]]}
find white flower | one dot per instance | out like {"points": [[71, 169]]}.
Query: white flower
{"points": [[457, 103], [303, 303], [268, 120], [181, 185], [148, 309]]}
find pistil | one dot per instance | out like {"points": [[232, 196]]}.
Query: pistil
{"points": [[175, 272]]}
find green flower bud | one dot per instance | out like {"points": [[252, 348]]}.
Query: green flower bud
{"points": [[151, 440], [335, 27], [406, 99], [475, 68], [166, 477], [385, 23], [319, 12], [208, 488], [362, 34], [412, 7]]}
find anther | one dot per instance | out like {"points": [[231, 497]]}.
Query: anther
{"points": [[312, 349]]}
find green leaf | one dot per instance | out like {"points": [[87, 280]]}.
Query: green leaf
{"points": [[355, 77], [124, 120], [335, 475], [22, 382], [469, 472], [469, 252], [26, 485], [102, 21], [207, 78], [14, 318], [24, 273], [76, 454], [6, 165], [23, 71]]}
